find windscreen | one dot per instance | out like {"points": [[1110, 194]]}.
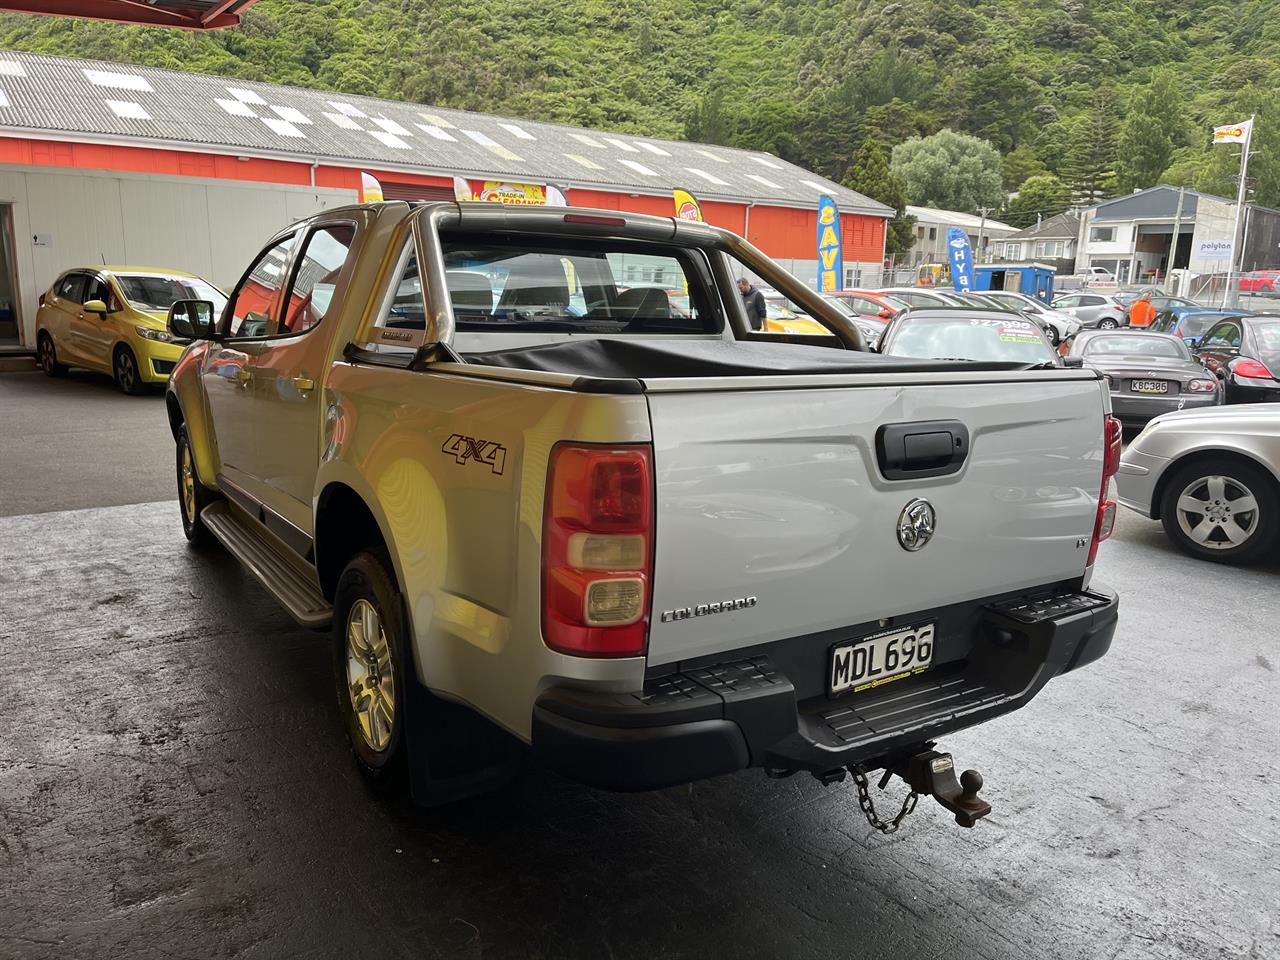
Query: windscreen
{"points": [[967, 338], [1195, 324], [595, 287], [158, 294], [1136, 345]]}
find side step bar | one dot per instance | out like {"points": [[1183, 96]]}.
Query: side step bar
{"points": [[296, 592]]}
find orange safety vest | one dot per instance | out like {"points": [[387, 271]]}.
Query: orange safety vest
{"points": [[1141, 314]]}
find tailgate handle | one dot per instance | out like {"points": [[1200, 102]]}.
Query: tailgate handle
{"points": [[926, 448]]}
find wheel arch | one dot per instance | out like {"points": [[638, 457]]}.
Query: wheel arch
{"points": [[345, 524], [1200, 456]]}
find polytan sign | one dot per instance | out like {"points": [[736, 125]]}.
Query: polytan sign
{"points": [[961, 259], [508, 192], [687, 205], [830, 250], [1233, 132], [370, 189], [1214, 249]]}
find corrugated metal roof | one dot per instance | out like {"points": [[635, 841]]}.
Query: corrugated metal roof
{"points": [[114, 102], [1154, 203], [1062, 225], [954, 218]]}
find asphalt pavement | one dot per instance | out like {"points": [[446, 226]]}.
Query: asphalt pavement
{"points": [[174, 780]]}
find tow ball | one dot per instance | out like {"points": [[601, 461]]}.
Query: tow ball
{"points": [[928, 773]]}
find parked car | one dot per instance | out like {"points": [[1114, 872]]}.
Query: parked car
{"points": [[1190, 325], [871, 303], [1212, 478], [1147, 373], [1102, 311], [955, 333], [1260, 282], [1244, 352], [781, 318], [1057, 324], [921, 296], [112, 319], [625, 539], [871, 326]]}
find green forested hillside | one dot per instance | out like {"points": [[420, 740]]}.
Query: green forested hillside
{"points": [[1122, 92]]}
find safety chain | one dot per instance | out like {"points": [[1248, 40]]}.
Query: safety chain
{"points": [[869, 808]]}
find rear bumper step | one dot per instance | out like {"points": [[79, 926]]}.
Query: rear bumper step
{"points": [[708, 720]]}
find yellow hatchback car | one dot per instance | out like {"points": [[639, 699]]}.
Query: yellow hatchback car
{"points": [[112, 319]]}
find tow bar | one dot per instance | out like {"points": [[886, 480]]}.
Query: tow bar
{"points": [[927, 773]]}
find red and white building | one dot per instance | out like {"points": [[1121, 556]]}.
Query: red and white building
{"points": [[110, 163]]}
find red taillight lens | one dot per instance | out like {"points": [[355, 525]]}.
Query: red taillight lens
{"points": [[1105, 521], [597, 549], [1251, 369]]}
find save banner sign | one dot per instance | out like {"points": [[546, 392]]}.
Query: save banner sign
{"points": [[961, 259], [830, 251]]}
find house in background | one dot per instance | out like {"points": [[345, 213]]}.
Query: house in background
{"points": [[1133, 236], [930, 244], [1052, 242]]}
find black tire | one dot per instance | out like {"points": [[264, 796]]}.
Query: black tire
{"points": [[372, 681], [48, 355], [193, 496], [1108, 323], [1211, 532], [124, 367], [1055, 338]]}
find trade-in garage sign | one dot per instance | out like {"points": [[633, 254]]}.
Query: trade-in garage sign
{"points": [[506, 191], [830, 251]]}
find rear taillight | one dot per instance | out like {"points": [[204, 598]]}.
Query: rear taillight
{"points": [[597, 549], [1251, 369], [1104, 523]]}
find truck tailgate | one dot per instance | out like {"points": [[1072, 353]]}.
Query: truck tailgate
{"points": [[775, 498]]}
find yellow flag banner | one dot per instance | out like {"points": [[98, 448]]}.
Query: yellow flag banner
{"points": [[370, 189], [687, 206]]}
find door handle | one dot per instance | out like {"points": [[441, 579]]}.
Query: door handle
{"points": [[304, 384]]}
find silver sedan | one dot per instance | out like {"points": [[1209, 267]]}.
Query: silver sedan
{"points": [[1212, 477]]}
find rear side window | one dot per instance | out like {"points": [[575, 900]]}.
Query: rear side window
{"points": [[562, 286]]}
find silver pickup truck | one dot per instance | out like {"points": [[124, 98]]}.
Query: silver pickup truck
{"points": [[556, 498]]}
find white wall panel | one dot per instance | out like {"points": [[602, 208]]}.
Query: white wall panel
{"points": [[208, 227]]}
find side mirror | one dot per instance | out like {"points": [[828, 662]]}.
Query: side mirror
{"points": [[1074, 363], [191, 319], [885, 313], [96, 306]]}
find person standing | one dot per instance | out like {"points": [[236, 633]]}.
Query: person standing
{"points": [[1141, 312], [753, 301]]}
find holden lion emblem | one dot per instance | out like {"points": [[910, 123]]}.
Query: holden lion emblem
{"points": [[916, 524]]}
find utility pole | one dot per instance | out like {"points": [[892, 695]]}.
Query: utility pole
{"points": [[982, 229], [1173, 246], [1236, 252]]}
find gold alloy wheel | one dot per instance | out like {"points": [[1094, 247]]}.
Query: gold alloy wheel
{"points": [[371, 681], [187, 482]]}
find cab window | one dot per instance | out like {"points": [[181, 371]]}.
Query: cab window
{"points": [[255, 305], [99, 289], [315, 276]]}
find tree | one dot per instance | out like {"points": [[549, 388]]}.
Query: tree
{"points": [[1043, 195], [1089, 168], [869, 175], [1153, 129], [1019, 164], [949, 170]]}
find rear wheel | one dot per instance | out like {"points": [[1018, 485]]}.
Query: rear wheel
{"points": [[127, 375], [369, 645], [1107, 323], [1222, 510], [49, 357]]}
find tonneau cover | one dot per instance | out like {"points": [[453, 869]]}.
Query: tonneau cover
{"points": [[643, 358]]}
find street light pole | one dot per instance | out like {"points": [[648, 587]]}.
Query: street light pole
{"points": [[1173, 246]]}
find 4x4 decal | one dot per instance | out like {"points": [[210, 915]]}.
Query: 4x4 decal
{"points": [[481, 451]]}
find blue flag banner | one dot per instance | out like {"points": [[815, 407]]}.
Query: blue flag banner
{"points": [[961, 259], [830, 251]]}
